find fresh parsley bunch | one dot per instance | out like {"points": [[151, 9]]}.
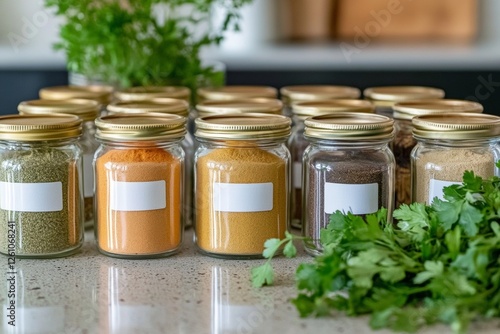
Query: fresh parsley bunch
{"points": [[144, 42], [440, 264]]}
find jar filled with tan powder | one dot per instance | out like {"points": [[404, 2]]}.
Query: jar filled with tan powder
{"points": [[241, 183], [87, 111], [385, 97], [174, 107], [297, 143], [348, 167], [139, 170], [404, 142], [308, 93], [447, 146]]}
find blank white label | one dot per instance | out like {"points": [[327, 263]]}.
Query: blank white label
{"points": [[297, 175], [31, 197], [243, 197], [436, 188], [88, 176], [359, 199], [138, 196]]}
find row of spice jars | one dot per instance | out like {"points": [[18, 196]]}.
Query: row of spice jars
{"points": [[139, 166]]}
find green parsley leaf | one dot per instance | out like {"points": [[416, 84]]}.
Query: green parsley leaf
{"points": [[263, 275]]}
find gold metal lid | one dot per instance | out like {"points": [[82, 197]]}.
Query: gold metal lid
{"points": [[349, 126], [226, 93], [306, 109], [389, 95], [141, 127], [408, 110], [101, 94], [87, 110], [293, 94], [250, 126], [151, 92], [258, 105], [454, 126], [159, 105], [39, 127]]}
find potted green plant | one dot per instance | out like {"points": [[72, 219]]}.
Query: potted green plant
{"points": [[144, 42]]}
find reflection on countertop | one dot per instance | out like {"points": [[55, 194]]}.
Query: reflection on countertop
{"points": [[186, 293]]}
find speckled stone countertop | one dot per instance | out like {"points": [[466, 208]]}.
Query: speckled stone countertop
{"points": [[186, 293]]}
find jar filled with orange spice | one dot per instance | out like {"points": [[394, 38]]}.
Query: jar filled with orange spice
{"points": [[139, 170], [167, 106]]}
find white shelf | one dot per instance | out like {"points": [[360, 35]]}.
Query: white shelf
{"points": [[338, 57]]}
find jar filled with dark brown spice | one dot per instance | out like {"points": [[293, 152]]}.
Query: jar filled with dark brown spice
{"points": [[404, 142], [348, 167], [297, 143], [385, 97]]}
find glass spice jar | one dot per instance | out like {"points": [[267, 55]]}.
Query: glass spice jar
{"points": [[241, 183], [228, 93], [404, 142], [447, 146], [385, 97], [139, 170], [297, 143], [174, 107], [348, 166], [151, 92], [251, 105], [307, 93], [102, 94], [87, 111], [41, 186]]}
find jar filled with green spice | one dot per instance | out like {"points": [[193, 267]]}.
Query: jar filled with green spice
{"points": [[41, 185], [87, 111]]}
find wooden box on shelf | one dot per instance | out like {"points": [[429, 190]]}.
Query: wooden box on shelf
{"points": [[408, 20]]}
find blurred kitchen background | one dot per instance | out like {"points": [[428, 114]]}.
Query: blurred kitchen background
{"points": [[450, 44]]}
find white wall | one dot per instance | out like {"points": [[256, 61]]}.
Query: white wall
{"points": [[27, 31]]}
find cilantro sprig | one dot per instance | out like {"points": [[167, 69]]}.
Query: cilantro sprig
{"points": [[439, 263]]}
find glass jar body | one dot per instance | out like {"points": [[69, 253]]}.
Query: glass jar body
{"points": [[88, 145], [42, 198], [439, 163], [401, 146], [139, 198], [356, 177], [188, 146], [297, 144], [241, 196]]}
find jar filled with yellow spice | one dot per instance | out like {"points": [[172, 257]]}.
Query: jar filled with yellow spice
{"points": [[241, 183]]}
